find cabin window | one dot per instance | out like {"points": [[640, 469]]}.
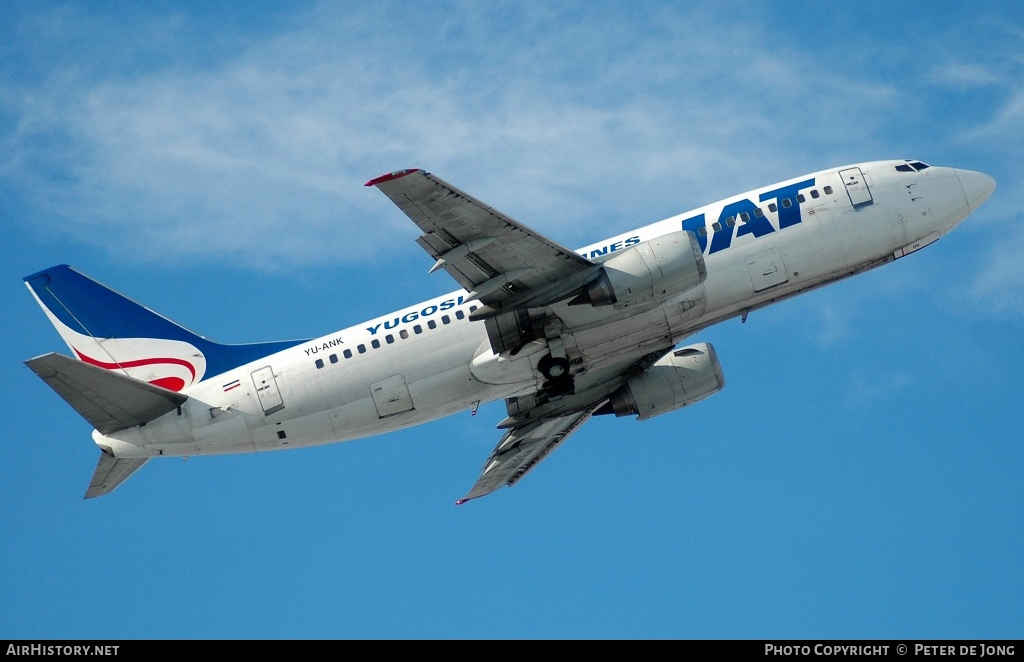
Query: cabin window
{"points": [[347, 353], [445, 319], [815, 194], [773, 207], [403, 334], [758, 212], [702, 231], [459, 314], [800, 197], [716, 226], [389, 339], [375, 343], [472, 309], [319, 363], [361, 349], [828, 190], [744, 216], [333, 358], [731, 221], [431, 324], [417, 329], [787, 203]]}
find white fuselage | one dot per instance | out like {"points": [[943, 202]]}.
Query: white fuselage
{"points": [[429, 360]]}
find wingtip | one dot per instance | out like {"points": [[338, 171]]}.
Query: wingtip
{"points": [[390, 176]]}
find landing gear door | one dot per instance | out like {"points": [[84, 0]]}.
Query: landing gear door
{"points": [[267, 390], [856, 187], [391, 396]]}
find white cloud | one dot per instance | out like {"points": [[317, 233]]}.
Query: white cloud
{"points": [[999, 285], [1006, 128], [834, 324], [567, 122], [964, 75], [863, 390]]}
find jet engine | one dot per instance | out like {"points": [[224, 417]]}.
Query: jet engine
{"points": [[654, 269], [679, 378]]}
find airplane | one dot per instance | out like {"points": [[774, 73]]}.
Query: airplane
{"points": [[560, 335]]}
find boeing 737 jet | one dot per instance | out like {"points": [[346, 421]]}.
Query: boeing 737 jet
{"points": [[560, 335]]}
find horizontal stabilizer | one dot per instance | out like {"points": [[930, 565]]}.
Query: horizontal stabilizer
{"points": [[111, 472], [108, 400]]}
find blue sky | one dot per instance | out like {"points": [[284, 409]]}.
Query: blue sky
{"points": [[859, 476]]}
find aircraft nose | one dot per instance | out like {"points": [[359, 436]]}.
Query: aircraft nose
{"points": [[977, 187]]}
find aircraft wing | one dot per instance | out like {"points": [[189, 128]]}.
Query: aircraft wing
{"points": [[504, 264], [537, 423], [522, 448]]}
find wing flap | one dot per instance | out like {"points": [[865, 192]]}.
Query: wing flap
{"points": [[108, 400], [522, 448]]}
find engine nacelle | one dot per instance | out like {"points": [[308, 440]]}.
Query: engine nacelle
{"points": [[655, 269], [680, 378]]}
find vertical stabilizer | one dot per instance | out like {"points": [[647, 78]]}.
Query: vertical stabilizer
{"points": [[108, 330]]}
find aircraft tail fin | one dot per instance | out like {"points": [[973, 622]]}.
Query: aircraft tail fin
{"points": [[108, 330]]}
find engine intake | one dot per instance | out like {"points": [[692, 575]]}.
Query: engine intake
{"points": [[679, 378], [652, 270]]}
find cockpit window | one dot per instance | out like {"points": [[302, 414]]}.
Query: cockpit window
{"points": [[912, 166]]}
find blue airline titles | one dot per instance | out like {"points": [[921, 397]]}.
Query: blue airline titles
{"points": [[758, 225]]}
